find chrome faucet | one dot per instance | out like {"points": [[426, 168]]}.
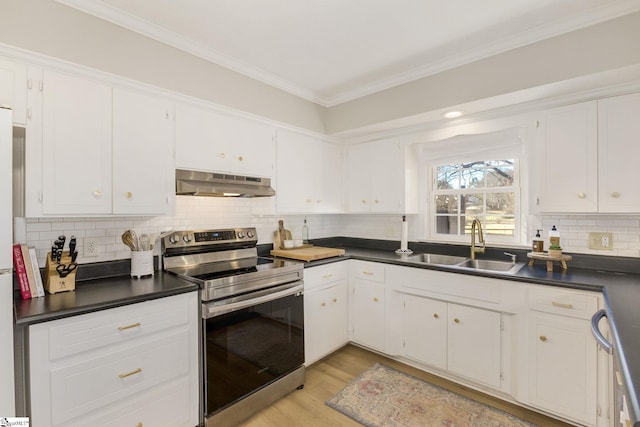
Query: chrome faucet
{"points": [[475, 250]]}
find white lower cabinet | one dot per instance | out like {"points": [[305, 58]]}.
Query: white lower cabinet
{"points": [[563, 360], [463, 340], [325, 310], [368, 304], [136, 365]]}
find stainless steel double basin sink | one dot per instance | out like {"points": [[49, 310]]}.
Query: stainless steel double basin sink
{"points": [[463, 263]]}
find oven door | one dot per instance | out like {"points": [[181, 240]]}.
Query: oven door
{"points": [[251, 341]]}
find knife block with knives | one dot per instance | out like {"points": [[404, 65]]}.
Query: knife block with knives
{"points": [[61, 276]]}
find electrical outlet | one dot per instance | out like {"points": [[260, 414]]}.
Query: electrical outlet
{"points": [[601, 241], [91, 248]]}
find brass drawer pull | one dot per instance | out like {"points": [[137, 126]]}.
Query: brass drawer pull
{"points": [[367, 273], [561, 305], [133, 325], [335, 300], [327, 276], [375, 299], [456, 320], [435, 315], [139, 425], [543, 338], [128, 374], [323, 304]]}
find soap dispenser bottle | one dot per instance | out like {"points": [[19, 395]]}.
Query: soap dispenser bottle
{"points": [[554, 237], [538, 243]]}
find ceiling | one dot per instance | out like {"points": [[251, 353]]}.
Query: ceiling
{"points": [[333, 51]]}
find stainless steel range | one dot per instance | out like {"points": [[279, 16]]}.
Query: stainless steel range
{"points": [[252, 320]]}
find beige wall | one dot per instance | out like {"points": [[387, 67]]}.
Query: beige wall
{"points": [[50, 28], [607, 46]]}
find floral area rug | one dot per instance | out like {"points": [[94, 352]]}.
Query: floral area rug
{"points": [[384, 397]]}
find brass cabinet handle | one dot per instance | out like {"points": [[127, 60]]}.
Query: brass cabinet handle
{"points": [[128, 374], [133, 325], [456, 320], [139, 425], [335, 300], [323, 304], [435, 315], [543, 338], [129, 195], [375, 299], [327, 276], [368, 273], [561, 305], [581, 195], [615, 194]]}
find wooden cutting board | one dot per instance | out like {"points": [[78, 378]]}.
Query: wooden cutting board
{"points": [[280, 235], [308, 254]]}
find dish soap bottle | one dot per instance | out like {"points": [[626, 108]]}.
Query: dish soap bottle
{"points": [[305, 233], [538, 243], [554, 237]]}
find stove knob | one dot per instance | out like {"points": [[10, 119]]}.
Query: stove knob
{"points": [[250, 234], [173, 239], [186, 238], [240, 235]]}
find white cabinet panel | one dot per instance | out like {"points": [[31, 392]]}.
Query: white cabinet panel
{"points": [[76, 140], [143, 170], [207, 140], [618, 152], [563, 366], [368, 313], [308, 174], [567, 159], [425, 330], [13, 89]]}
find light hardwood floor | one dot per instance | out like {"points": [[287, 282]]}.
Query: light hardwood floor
{"points": [[306, 407]]}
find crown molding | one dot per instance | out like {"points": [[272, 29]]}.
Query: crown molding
{"points": [[591, 17]]}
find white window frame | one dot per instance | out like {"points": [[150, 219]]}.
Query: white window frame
{"points": [[500, 145]]}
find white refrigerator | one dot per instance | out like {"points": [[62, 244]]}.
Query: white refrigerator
{"points": [[7, 393]]}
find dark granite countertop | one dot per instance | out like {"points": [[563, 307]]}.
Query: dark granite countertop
{"points": [[99, 294], [617, 278]]}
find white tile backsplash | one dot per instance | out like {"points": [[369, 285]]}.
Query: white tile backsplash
{"points": [[211, 212]]}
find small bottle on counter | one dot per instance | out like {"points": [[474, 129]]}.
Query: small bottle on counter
{"points": [[554, 237], [538, 243], [305, 232]]}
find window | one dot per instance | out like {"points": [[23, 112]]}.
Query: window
{"points": [[474, 177], [486, 190]]}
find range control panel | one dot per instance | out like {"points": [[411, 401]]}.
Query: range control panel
{"points": [[210, 239]]}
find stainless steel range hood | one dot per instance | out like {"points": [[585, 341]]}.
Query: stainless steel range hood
{"points": [[211, 184]]}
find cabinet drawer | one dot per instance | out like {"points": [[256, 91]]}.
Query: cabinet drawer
{"points": [[565, 302], [168, 406], [368, 271], [316, 277], [93, 383], [90, 331]]}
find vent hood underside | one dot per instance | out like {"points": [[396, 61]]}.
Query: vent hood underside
{"points": [[211, 184]]}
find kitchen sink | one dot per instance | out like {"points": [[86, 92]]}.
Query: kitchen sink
{"points": [[491, 265], [437, 259]]}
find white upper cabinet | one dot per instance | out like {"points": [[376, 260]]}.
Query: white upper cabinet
{"points": [[585, 154], [567, 175], [143, 167], [76, 144], [308, 174], [13, 89], [380, 177], [210, 141], [618, 151], [95, 150]]}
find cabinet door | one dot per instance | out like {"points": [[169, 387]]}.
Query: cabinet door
{"points": [[142, 153], [326, 321], [76, 137], [474, 344], [368, 313], [567, 158], [357, 182], [425, 330], [562, 366], [618, 153], [387, 178], [308, 174], [13, 89], [210, 141]]}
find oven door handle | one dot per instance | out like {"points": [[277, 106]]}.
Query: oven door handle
{"points": [[211, 310], [595, 331]]}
